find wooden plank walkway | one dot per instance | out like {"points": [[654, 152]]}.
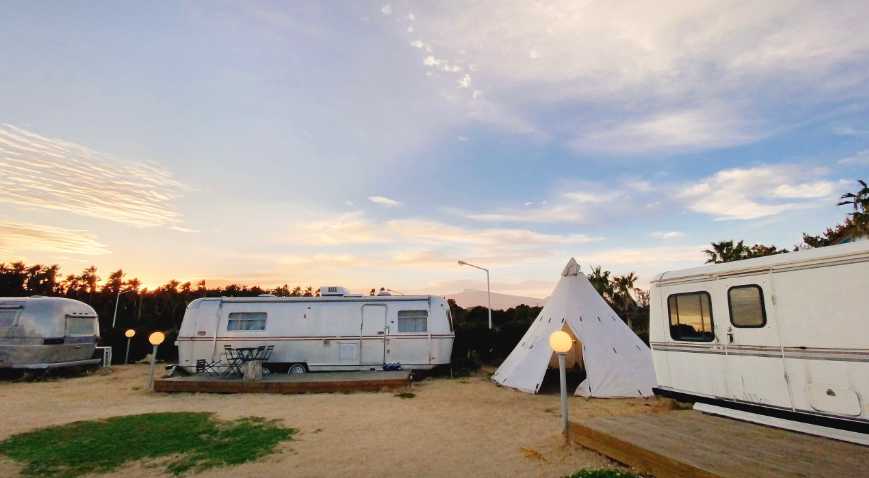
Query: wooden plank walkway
{"points": [[692, 444], [322, 382]]}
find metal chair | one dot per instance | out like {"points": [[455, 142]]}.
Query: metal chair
{"points": [[215, 368], [265, 354], [233, 361]]}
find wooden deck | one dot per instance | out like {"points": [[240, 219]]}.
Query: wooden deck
{"points": [[323, 382], [691, 444]]}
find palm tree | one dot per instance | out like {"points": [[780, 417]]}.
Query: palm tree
{"points": [[622, 286], [600, 280], [860, 202], [89, 278], [726, 251]]}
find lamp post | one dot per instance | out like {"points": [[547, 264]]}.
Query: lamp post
{"points": [[129, 334], [488, 287], [117, 299], [560, 342], [156, 339]]}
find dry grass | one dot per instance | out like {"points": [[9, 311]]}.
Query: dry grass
{"points": [[448, 429]]}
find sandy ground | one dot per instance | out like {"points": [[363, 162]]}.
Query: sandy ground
{"points": [[453, 427]]}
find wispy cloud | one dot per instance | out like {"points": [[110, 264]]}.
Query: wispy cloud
{"points": [[425, 242], [752, 193], [384, 201], [860, 158], [667, 235], [48, 173], [573, 206], [698, 128], [658, 76], [850, 131], [17, 238]]}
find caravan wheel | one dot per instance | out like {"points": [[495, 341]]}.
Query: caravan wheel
{"points": [[297, 369]]}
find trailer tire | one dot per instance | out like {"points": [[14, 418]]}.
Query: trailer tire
{"points": [[297, 369]]}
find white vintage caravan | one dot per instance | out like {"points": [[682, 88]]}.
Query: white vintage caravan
{"points": [[335, 331], [782, 340], [46, 332]]}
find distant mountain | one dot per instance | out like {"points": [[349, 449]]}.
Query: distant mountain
{"points": [[469, 298]]}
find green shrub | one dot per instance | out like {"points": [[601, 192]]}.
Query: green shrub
{"points": [[603, 473]]}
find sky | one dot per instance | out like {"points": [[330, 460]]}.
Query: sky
{"points": [[374, 144]]}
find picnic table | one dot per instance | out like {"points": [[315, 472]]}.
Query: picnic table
{"points": [[244, 361]]}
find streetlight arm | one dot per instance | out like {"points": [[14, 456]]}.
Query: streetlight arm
{"points": [[463, 263], [488, 287]]}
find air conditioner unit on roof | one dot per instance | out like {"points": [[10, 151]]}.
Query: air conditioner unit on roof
{"points": [[333, 291]]}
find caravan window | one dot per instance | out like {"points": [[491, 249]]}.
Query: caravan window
{"points": [[246, 321], [80, 326], [7, 317], [746, 306], [412, 320], [691, 317]]}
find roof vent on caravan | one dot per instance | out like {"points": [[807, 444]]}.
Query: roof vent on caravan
{"points": [[333, 291]]}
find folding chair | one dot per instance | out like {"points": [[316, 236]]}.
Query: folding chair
{"points": [[233, 361], [204, 367], [265, 355]]}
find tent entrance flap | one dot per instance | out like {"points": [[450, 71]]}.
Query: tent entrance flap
{"points": [[617, 362]]}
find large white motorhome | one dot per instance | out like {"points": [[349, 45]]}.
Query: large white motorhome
{"points": [[46, 332], [335, 331], [781, 340]]}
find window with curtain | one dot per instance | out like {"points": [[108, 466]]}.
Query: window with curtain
{"points": [[246, 321], [413, 321], [746, 306]]}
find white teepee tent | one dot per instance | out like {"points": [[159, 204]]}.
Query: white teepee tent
{"points": [[617, 362]]}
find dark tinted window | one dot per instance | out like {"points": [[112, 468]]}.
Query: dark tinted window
{"points": [[691, 317]]}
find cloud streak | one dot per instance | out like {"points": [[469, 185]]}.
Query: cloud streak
{"points": [[753, 193], [425, 242], [384, 201], [49, 173], [16, 238]]}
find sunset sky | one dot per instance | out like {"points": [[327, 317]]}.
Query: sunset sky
{"points": [[374, 144]]}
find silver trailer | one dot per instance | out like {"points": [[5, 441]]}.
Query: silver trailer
{"points": [[333, 332], [46, 332]]}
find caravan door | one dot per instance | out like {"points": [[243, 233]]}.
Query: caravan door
{"points": [[755, 366], [373, 344]]}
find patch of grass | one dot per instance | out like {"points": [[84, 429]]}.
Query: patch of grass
{"points": [[603, 473], [188, 441], [405, 395]]}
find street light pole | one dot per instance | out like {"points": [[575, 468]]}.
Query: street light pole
{"points": [[155, 339], [562, 378], [117, 299], [129, 334], [488, 287], [561, 342]]}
